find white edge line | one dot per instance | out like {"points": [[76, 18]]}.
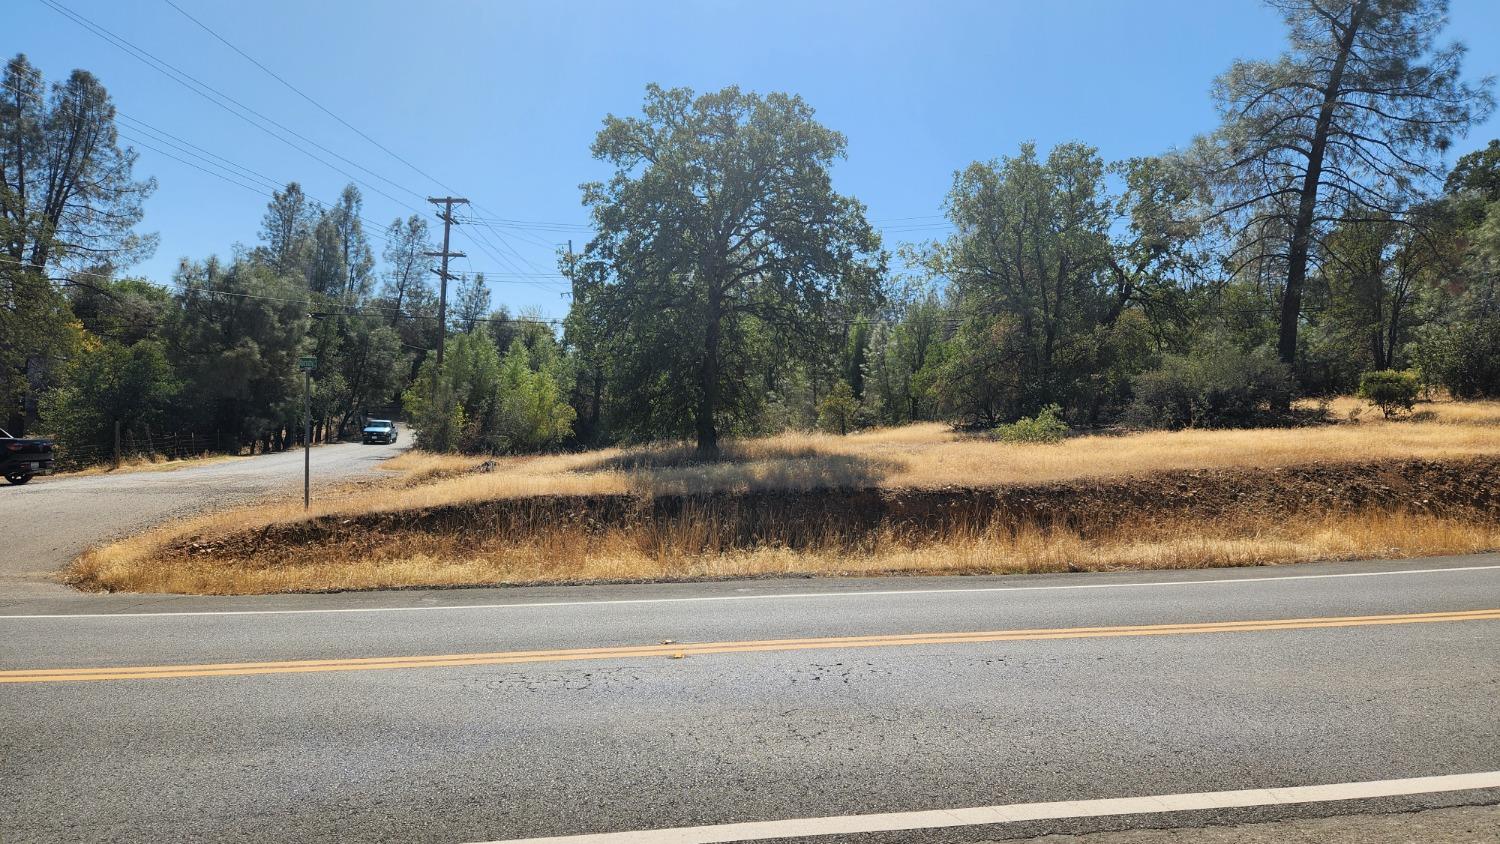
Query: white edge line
{"points": [[1015, 812], [789, 596]]}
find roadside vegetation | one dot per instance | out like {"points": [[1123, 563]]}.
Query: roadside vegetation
{"points": [[1082, 366], [915, 499], [148, 463], [1318, 239]]}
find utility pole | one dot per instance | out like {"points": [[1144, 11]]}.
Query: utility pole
{"points": [[307, 363], [306, 438], [446, 215]]}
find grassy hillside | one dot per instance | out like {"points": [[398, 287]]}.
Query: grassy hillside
{"points": [[915, 499]]}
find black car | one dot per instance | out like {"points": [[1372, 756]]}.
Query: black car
{"points": [[379, 431], [22, 459]]}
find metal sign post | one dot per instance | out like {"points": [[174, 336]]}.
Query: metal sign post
{"points": [[307, 363]]}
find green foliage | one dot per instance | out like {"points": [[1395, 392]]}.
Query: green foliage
{"points": [[1216, 387], [125, 310], [66, 197], [236, 341], [533, 413], [482, 403], [1045, 265], [1462, 356], [894, 392], [839, 410], [1393, 391], [369, 361], [1033, 241], [1459, 346], [732, 291], [1477, 173], [36, 327], [976, 376], [106, 383], [722, 252], [471, 304], [1046, 426], [1357, 111], [458, 412]]}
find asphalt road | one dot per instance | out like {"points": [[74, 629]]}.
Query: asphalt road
{"points": [[53, 519], [452, 747]]}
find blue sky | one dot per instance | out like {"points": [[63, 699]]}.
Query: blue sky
{"points": [[500, 100]]}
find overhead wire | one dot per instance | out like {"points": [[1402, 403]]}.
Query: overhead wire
{"points": [[240, 110], [229, 166], [492, 222], [487, 246], [481, 240], [274, 75], [308, 303]]}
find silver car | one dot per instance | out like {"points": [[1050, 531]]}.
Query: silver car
{"points": [[380, 431]]}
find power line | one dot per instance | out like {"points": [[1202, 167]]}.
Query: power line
{"points": [[164, 153], [229, 166], [533, 267], [188, 289], [495, 256], [527, 224], [294, 89], [492, 273], [198, 152], [378, 229], [491, 223], [199, 87], [486, 246]]}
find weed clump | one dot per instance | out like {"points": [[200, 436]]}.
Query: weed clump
{"points": [[1045, 427], [1391, 390]]}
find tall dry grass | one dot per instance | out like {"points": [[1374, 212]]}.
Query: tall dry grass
{"points": [[918, 457], [617, 555], [931, 455], [148, 463]]}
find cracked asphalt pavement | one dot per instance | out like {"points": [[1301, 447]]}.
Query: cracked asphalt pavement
{"points": [[452, 748]]}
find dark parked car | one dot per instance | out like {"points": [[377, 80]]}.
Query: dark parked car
{"points": [[23, 459], [380, 431]]}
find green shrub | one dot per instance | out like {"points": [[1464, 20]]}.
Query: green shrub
{"points": [[838, 411], [1392, 390], [1463, 357], [1220, 387], [1045, 427]]}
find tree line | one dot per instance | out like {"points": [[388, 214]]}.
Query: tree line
{"points": [[1313, 237]]}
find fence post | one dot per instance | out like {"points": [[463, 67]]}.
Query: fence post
{"points": [[117, 444]]}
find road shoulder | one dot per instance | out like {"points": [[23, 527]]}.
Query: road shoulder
{"points": [[1454, 825]]}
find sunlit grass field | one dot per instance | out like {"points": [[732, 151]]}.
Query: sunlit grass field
{"points": [[917, 457]]}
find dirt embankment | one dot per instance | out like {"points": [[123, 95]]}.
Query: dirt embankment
{"points": [[1459, 489]]}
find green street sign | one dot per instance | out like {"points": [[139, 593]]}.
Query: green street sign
{"points": [[307, 363]]}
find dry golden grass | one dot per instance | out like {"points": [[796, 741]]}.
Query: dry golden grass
{"points": [[919, 456], [141, 463], [618, 556], [420, 467], [931, 455]]}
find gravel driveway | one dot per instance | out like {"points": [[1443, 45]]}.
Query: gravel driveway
{"points": [[51, 520]]}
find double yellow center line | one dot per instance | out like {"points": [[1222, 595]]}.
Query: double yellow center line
{"points": [[674, 650]]}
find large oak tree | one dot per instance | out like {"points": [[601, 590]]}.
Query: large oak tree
{"points": [[720, 237]]}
